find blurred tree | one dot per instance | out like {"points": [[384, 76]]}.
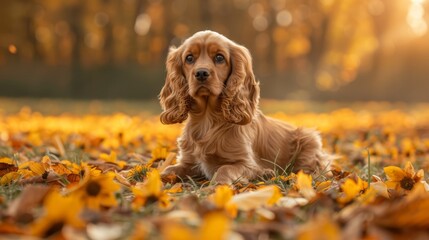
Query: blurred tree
{"points": [[301, 48], [73, 14]]}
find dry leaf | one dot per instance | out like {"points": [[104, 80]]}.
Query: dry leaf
{"points": [[104, 231], [30, 197], [252, 200], [291, 202], [411, 212]]}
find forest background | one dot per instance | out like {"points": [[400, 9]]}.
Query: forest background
{"points": [[302, 49]]}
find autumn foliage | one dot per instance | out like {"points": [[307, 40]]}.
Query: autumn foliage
{"points": [[98, 177]]}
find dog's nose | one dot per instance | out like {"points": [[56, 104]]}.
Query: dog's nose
{"points": [[202, 74]]}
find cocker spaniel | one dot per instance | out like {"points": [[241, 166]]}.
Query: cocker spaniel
{"points": [[210, 82]]}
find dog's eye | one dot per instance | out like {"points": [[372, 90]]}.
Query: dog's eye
{"points": [[189, 59], [219, 58]]}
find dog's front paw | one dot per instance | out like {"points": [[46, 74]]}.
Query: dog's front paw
{"points": [[229, 174], [221, 179], [171, 172], [267, 173]]}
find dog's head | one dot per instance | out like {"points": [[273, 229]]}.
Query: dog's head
{"points": [[209, 65]]}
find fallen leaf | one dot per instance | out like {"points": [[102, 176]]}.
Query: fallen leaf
{"points": [[104, 231], [252, 200], [30, 197]]}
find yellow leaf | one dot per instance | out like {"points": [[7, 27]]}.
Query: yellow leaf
{"points": [[36, 167], [252, 200], [60, 169], [321, 227], [351, 189], [222, 196], [304, 185], [46, 160], [394, 173], [176, 188], [153, 182], [323, 186], [275, 197], [410, 213], [9, 177], [6, 160], [177, 232], [215, 226], [105, 157], [409, 169]]}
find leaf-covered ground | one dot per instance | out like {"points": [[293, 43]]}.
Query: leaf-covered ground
{"points": [[94, 176]]}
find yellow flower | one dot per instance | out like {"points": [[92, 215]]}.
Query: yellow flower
{"points": [[77, 171], [402, 180], [80, 169], [138, 173], [149, 192], [97, 192], [158, 154], [59, 211], [351, 189], [112, 158]]}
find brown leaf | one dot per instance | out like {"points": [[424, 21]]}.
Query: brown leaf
{"points": [[411, 212], [7, 168], [120, 177], [30, 197]]}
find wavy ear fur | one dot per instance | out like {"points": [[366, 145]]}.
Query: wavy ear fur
{"points": [[240, 96], [174, 96]]}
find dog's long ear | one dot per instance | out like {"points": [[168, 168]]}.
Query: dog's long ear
{"points": [[174, 96], [240, 96]]}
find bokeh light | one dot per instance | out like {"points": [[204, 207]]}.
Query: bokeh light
{"points": [[142, 24], [12, 49]]}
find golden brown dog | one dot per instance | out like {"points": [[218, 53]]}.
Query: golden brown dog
{"points": [[210, 82]]}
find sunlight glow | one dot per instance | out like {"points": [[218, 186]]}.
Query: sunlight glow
{"points": [[415, 17], [142, 24]]}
